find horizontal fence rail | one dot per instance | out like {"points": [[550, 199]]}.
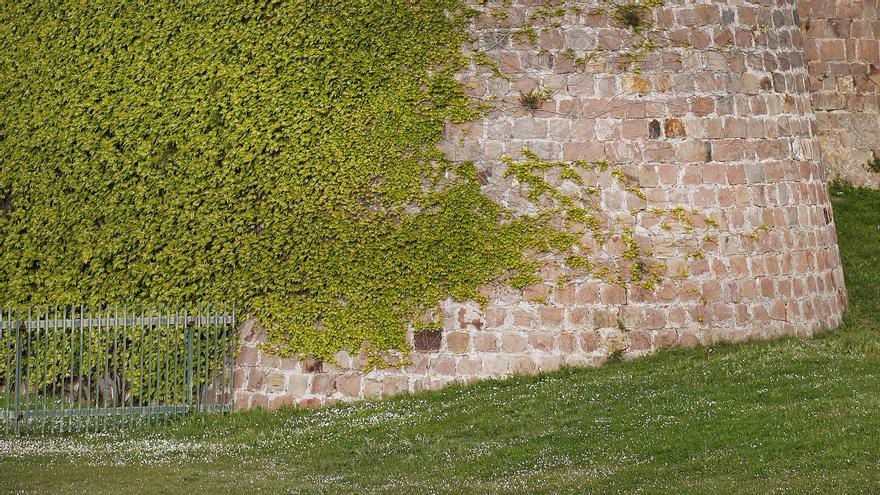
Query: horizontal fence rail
{"points": [[67, 369]]}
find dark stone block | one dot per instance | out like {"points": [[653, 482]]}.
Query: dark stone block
{"points": [[654, 129], [428, 341]]}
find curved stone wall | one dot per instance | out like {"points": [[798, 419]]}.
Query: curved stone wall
{"points": [[713, 115], [842, 46]]}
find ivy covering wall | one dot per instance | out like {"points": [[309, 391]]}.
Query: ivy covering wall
{"points": [[281, 154]]}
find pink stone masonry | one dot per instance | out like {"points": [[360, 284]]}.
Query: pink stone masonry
{"points": [[842, 47], [717, 118]]}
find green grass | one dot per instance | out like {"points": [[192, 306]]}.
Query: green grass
{"points": [[788, 416]]}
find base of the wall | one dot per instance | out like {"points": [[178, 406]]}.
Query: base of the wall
{"points": [[270, 382]]}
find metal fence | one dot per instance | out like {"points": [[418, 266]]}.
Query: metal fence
{"points": [[93, 368]]}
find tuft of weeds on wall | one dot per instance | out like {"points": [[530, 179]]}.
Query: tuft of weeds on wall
{"points": [[874, 163], [629, 14], [634, 14], [535, 98]]}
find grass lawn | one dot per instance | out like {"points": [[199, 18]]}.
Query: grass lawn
{"points": [[789, 416]]}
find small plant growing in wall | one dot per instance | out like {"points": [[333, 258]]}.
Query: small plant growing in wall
{"points": [[633, 14], [535, 98], [629, 14], [874, 163]]}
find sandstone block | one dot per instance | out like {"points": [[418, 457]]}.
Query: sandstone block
{"points": [[349, 385], [513, 343], [458, 342]]}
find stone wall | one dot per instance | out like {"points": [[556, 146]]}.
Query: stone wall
{"points": [[842, 46], [715, 117]]}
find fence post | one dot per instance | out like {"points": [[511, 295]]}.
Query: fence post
{"points": [[189, 361], [18, 329]]}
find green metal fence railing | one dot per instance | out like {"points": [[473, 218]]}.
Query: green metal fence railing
{"points": [[87, 368]]}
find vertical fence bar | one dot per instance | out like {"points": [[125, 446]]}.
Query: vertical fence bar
{"points": [[233, 346], [175, 355], [223, 376], [90, 370], [148, 327], [209, 356], [7, 375], [107, 405], [166, 339], [169, 361], [84, 362], [94, 328], [89, 365], [102, 404], [12, 331], [198, 354], [55, 368], [160, 355], [126, 379], [115, 356], [45, 415], [60, 338], [65, 329], [36, 409], [216, 342], [30, 381], [94, 333], [7, 378], [4, 337], [158, 367], [204, 353], [37, 402], [18, 326], [76, 388], [221, 353], [141, 369], [189, 360], [99, 364], [61, 368], [46, 403], [73, 341]]}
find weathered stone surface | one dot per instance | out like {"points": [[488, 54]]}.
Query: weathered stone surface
{"points": [[393, 385], [458, 342], [513, 343], [323, 384], [277, 401], [496, 366], [349, 385], [428, 341], [247, 357], [298, 384], [372, 388], [523, 365], [542, 341], [468, 366], [256, 378], [675, 128], [443, 365], [275, 381], [843, 56], [486, 342]]}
